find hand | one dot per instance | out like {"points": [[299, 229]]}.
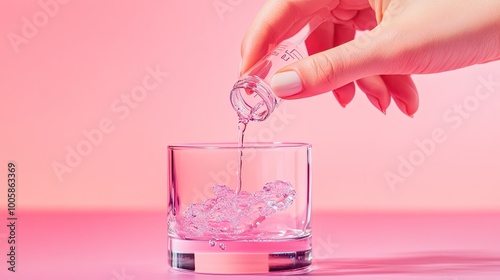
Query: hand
{"points": [[405, 37]]}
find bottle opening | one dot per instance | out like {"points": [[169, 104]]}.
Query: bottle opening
{"points": [[252, 99]]}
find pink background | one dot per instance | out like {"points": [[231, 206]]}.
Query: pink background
{"points": [[69, 74]]}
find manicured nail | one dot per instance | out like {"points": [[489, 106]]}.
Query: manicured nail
{"points": [[376, 102], [402, 106], [286, 83], [341, 102]]}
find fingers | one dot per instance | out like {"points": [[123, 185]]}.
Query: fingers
{"points": [[334, 68], [403, 91], [376, 91], [337, 58], [380, 89], [276, 21], [342, 35], [325, 37], [345, 94], [320, 39], [360, 20], [365, 20]]}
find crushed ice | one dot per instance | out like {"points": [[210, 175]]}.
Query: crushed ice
{"points": [[230, 213]]}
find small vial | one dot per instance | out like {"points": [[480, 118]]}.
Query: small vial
{"points": [[252, 97]]}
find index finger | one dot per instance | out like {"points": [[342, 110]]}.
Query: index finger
{"points": [[277, 20]]}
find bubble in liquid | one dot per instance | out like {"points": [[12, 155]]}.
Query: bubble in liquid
{"points": [[267, 187], [280, 206], [211, 243], [222, 246]]}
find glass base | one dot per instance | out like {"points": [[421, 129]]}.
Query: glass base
{"points": [[292, 256]]}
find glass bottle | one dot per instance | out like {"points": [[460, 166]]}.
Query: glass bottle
{"points": [[251, 96]]}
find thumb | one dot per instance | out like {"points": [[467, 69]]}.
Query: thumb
{"points": [[336, 67]]}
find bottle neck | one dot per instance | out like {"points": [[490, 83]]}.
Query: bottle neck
{"points": [[253, 99]]}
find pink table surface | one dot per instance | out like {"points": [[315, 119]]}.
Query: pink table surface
{"points": [[133, 246]]}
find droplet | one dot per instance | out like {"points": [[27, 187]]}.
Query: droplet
{"points": [[222, 246], [211, 243]]}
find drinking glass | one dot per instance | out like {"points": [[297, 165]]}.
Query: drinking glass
{"points": [[264, 227]]}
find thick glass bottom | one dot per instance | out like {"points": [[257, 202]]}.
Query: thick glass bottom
{"points": [[241, 257]]}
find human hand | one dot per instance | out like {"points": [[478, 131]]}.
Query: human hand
{"points": [[405, 37]]}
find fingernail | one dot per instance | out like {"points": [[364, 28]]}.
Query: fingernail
{"points": [[376, 102], [402, 106], [341, 102], [286, 83]]}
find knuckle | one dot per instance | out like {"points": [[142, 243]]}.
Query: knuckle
{"points": [[324, 69]]}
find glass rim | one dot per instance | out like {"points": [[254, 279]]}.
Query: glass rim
{"points": [[234, 145]]}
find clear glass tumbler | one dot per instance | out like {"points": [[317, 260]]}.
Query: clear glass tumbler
{"points": [[262, 228]]}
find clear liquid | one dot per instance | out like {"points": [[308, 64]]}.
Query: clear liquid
{"points": [[233, 216], [241, 257], [242, 126]]}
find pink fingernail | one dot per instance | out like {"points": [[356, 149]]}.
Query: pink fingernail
{"points": [[402, 106], [342, 102], [376, 102]]}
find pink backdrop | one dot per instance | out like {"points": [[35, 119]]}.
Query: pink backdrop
{"points": [[97, 89]]}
